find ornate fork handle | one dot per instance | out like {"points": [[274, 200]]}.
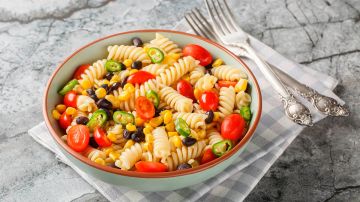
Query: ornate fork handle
{"points": [[295, 110], [324, 104]]}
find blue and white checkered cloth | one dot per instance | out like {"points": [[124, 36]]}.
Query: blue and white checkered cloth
{"points": [[274, 134]]}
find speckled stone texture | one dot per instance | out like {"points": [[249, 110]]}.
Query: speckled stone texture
{"points": [[322, 164]]}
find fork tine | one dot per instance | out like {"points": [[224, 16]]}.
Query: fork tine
{"points": [[217, 24], [205, 25], [193, 25], [223, 24], [231, 16], [224, 18], [197, 25]]}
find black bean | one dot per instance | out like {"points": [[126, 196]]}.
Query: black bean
{"points": [[94, 97], [188, 141], [114, 86], [82, 120], [158, 111], [123, 82], [108, 113], [208, 71], [90, 91], [209, 66], [109, 75], [140, 129], [210, 116], [93, 143], [136, 65], [104, 103], [183, 166], [137, 41], [127, 134], [104, 86], [138, 136]]}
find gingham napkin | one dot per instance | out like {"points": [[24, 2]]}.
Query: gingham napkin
{"points": [[273, 135]]}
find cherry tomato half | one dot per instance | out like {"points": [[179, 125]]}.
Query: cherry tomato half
{"points": [[209, 100], [80, 70], [144, 108], [140, 77], [224, 83], [208, 156], [185, 89], [232, 127], [101, 138], [148, 166], [65, 120], [70, 99], [78, 137], [198, 53]]}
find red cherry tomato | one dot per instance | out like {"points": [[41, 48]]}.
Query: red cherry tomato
{"points": [[80, 70], [209, 100], [65, 120], [232, 127], [140, 77], [78, 137], [224, 83], [101, 138], [198, 53], [70, 99], [208, 156], [185, 89], [144, 108], [148, 166]]}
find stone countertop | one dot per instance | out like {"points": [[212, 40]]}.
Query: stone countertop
{"points": [[322, 164]]}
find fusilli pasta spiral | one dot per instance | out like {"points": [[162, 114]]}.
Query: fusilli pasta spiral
{"points": [[129, 157], [96, 71], [194, 120], [225, 72], [85, 103], [93, 153], [196, 74], [226, 100], [242, 99], [155, 69], [165, 44], [161, 143], [122, 52], [184, 154], [214, 137], [175, 100], [118, 132], [206, 82]]}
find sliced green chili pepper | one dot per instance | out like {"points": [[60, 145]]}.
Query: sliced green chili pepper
{"points": [[98, 118], [68, 87], [123, 117], [156, 55], [113, 66], [222, 147], [153, 97], [245, 113], [182, 127]]}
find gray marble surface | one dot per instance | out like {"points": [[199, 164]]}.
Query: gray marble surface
{"points": [[322, 164]]}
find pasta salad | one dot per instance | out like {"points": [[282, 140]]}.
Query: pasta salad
{"points": [[154, 107]]}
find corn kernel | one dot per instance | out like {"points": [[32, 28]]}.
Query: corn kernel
{"points": [[216, 116], [170, 134], [114, 79], [100, 161], [155, 122], [114, 155], [129, 87], [84, 92], [149, 137], [217, 62], [197, 93], [107, 150], [168, 60], [146, 49], [147, 125], [56, 114], [60, 108], [111, 136], [186, 77], [176, 141], [147, 130], [130, 127], [100, 93], [128, 144], [124, 95], [139, 121], [70, 111], [148, 146], [105, 81], [202, 134], [170, 127], [167, 117], [109, 161], [128, 62], [175, 56], [85, 83], [133, 71], [241, 85]]}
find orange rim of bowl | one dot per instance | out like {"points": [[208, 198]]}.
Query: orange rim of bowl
{"points": [[175, 173]]}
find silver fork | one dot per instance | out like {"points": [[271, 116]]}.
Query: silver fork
{"points": [[322, 103]]}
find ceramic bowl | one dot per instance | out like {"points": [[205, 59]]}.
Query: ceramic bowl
{"points": [[137, 180]]}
